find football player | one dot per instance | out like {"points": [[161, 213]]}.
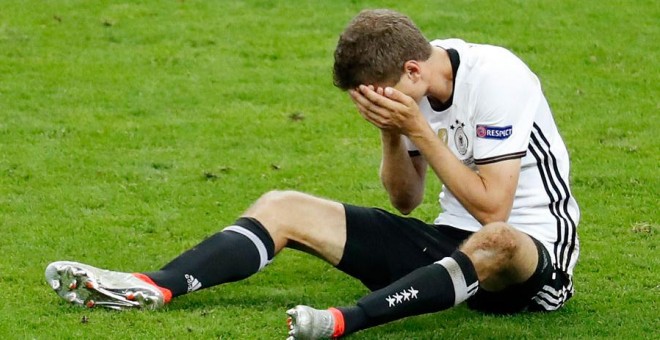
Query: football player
{"points": [[505, 240]]}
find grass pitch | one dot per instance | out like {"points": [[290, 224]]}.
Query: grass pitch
{"points": [[132, 130]]}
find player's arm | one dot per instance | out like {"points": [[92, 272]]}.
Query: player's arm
{"points": [[487, 194], [402, 175]]}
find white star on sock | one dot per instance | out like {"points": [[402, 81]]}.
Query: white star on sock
{"points": [[413, 292]]}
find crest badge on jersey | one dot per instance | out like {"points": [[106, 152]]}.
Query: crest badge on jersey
{"points": [[442, 134], [460, 138]]}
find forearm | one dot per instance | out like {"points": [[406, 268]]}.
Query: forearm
{"points": [[401, 180], [479, 197]]}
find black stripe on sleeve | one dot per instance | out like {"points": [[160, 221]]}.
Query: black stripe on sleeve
{"points": [[500, 158]]}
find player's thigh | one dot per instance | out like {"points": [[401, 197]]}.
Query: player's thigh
{"points": [[382, 247], [303, 221]]}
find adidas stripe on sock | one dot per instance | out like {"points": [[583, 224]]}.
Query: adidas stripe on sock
{"points": [[464, 281]]}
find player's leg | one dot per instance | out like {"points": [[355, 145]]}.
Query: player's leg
{"points": [[318, 226], [275, 220], [493, 258]]}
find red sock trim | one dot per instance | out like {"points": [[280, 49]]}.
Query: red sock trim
{"points": [[167, 294], [339, 322]]}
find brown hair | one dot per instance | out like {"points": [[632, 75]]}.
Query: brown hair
{"points": [[374, 47]]}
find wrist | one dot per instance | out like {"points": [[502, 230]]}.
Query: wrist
{"points": [[390, 137], [422, 134]]}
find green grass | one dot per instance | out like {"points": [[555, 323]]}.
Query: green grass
{"points": [[131, 130]]}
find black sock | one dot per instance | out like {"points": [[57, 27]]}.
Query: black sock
{"points": [[235, 253], [428, 289]]}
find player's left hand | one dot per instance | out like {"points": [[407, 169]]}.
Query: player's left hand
{"points": [[388, 109]]}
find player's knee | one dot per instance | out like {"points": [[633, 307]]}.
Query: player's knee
{"points": [[495, 242], [274, 210], [274, 202], [502, 237]]}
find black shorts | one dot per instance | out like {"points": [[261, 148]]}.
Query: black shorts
{"points": [[382, 247]]}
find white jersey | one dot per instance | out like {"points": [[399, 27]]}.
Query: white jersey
{"points": [[498, 113]]}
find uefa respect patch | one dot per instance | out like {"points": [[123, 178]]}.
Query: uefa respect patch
{"points": [[494, 132]]}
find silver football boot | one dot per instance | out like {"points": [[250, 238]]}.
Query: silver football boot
{"points": [[90, 287], [307, 323]]}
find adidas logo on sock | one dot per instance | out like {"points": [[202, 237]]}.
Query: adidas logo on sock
{"points": [[193, 283]]}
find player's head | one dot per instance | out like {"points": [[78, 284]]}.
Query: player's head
{"points": [[374, 48]]}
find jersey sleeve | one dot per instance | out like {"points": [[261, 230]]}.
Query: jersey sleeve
{"points": [[507, 98], [412, 149]]}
